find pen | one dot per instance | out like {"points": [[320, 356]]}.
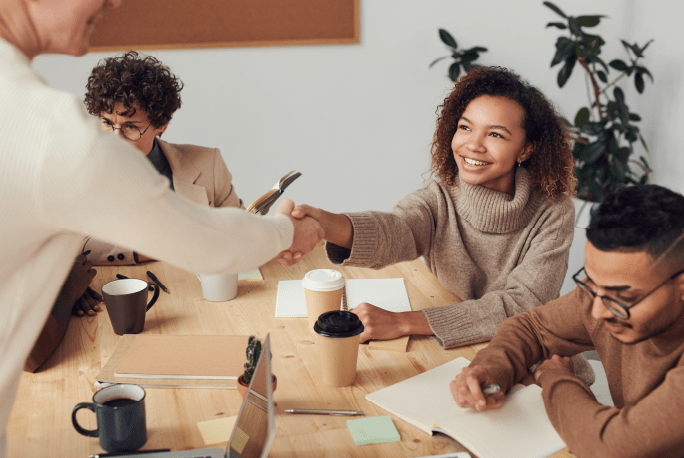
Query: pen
{"points": [[86, 253], [156, 280], [103, 455], [121, 277], [325, 412]]}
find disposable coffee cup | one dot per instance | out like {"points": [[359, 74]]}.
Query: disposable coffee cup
{"points": [[120, 413], [323, 289], [219, 287], [338, 346]]}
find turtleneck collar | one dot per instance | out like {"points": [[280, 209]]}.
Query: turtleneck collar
{"points": [[494, 211]]}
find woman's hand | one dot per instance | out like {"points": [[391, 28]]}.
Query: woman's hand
{"points": [[76, 289], [379, 324]]}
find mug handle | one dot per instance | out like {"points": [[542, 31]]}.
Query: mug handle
{"points": [[155, 296], [85, 432]]}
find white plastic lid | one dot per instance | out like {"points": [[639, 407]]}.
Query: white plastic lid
{"points": [[323, 280]]}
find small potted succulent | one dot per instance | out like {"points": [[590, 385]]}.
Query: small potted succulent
{"points": [[252, 352]]}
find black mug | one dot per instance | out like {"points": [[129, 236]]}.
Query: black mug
{"points": [[120, 412], [126, 302]]}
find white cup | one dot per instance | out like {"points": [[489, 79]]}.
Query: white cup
{"points": [[219, 287]]}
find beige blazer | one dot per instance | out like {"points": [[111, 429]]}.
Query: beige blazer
{"points": [[198, 173]]}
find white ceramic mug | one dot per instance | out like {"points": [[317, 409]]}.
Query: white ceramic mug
{"points": [[219, 287]]}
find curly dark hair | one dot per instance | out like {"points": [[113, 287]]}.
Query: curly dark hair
{"points": [[640, 218], [551, 166], [134, 81]]}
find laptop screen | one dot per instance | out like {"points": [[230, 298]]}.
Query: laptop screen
{"points": [[255, 425]]}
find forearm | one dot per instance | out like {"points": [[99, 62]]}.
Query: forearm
{"points": [[338, 228], [415, 323]]}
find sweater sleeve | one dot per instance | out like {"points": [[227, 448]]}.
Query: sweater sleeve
{"points": [[648, 428], [382, 239], [536, 280], [129, 204]]}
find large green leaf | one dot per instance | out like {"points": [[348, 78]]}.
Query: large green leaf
{"points": [[454, 71], [556, 9], [593, 151], [437, 60], [619, 170], [618, 65], [634, 117], [642, 69], [639, 82], [602, 76], [623, 153], [559, 25], [565, 48], [592, 128], [447, 39], [589, 21], [582, 117], [566, 71], [575, 26]]}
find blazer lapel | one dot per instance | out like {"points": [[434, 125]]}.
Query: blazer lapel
{"points": [[184, 174]]}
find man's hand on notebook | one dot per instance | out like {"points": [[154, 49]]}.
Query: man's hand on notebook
{"points": [[467, 390], [307, 233]]}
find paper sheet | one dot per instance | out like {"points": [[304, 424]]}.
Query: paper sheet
{"points": [[373, 430], [254, 274], [387, 293], [218, 430]]}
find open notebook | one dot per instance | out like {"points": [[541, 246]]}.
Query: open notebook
{"points": [[519, 429]]}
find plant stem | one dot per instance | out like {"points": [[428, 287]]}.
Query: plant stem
{"points": [[597, 90]]}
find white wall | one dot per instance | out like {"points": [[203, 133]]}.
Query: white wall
{"points": [[357, 120]]}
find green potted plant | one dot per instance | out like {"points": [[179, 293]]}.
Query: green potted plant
{"points": [[253, 351], [604, 132]]}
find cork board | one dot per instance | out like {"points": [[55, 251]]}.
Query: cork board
{"points": [[178, 24]]}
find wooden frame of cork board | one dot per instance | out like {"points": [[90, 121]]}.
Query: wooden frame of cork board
{"points": [[179, 24]]}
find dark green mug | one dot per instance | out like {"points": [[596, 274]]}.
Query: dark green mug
{"points": [[120, 413]]}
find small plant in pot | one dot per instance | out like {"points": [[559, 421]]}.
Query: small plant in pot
{"points": [[253, 351]]}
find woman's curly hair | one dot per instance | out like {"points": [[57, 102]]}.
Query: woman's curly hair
{"points": [[551, 166], [135, 81]]}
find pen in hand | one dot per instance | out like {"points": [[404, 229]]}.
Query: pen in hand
{"points": [[156, 280]]}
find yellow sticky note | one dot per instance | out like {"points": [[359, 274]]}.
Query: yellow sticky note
{"points": [[239, 440], [215, 431]]}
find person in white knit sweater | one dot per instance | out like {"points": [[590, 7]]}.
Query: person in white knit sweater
{"points": [[55, 162]]}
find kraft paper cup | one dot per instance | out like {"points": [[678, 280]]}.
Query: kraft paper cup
{"points": [[323, 289], [338, 346]]}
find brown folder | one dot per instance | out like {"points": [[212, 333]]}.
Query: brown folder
{"points": [[176, 361]]}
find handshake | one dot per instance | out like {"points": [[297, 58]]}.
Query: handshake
{"points": [[311, 225]]}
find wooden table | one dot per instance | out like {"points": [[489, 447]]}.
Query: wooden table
{"points": [[40, 424]]}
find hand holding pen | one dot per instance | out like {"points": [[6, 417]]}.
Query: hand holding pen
{"points": [[474, 387]]}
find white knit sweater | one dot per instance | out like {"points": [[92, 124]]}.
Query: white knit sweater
{"points": [[60, 179]]}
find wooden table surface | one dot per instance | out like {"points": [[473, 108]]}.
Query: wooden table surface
{"points": [[40, 424]]}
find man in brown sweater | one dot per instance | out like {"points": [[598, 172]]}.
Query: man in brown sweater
{"points": [[629, 307]]}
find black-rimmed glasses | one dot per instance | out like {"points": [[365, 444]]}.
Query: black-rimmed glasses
{"points": [[130, 131], [618, 308]]}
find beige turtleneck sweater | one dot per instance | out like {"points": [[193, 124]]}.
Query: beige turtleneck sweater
{"points": [[501, 254]]}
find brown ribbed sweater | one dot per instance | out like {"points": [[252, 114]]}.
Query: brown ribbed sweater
{"points": [[646, 380], [500, 254]]}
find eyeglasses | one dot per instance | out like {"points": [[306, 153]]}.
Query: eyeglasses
{"points": [[130, 131], [618, 308]]}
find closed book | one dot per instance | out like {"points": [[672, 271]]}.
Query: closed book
{"points": [[172, 361]]}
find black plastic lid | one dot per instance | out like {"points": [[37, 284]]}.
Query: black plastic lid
{"points": [[338, 324]]}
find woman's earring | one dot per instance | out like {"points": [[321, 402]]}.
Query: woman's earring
{"points": [[519, 162]]}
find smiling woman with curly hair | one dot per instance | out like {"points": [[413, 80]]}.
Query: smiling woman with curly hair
{"points": [[550, 164], [495, 228], [136, 96]]}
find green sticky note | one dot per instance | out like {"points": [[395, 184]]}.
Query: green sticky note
{"points": [[373, 430]]}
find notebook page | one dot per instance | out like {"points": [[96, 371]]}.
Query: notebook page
{"points": [[518, 429], [387, 293], [424, 399]]}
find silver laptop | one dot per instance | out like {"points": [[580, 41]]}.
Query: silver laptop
{"points": [[255, 425]]}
